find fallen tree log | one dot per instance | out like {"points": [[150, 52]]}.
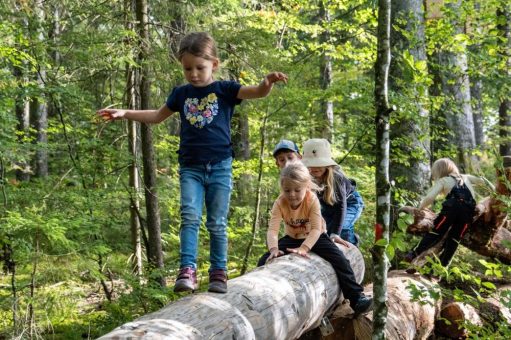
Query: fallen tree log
{"points": [[281, 300], [407, 318], [458, 316]]}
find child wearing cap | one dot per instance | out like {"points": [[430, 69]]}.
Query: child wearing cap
{"points": [[285, 152], [341, 204]]}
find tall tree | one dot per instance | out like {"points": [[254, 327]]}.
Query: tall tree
{"points": [[40, 103], [133, 145], [408, 86], [453, 87], [155, 253], [504, 26], [476, 83], [383, 110], [325, 75]]}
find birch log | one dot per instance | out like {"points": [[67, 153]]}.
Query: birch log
{"points": [[281, 300], [406, 319]]}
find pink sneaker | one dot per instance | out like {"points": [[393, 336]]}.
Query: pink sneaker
{"points": [[186, 280]]}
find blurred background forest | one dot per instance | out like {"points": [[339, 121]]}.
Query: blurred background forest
{"points": [[79, 222]]}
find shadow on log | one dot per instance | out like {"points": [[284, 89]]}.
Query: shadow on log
{"points": [[281, 300]]}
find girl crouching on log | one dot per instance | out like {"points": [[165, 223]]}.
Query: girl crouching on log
{"points": [[299, 208]]}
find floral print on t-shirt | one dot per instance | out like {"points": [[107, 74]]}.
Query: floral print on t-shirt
{"points": [[200, 113]]}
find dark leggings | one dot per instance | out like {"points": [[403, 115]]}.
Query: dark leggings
{"points": [[327, 250], [453, 220]]}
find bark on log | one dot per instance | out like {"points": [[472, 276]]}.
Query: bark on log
{"points": [[495, 308], [458, 315], [406, 319], [278, 301]]}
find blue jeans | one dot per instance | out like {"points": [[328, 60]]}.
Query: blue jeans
{"points": [[212, 184], [354, 208]]}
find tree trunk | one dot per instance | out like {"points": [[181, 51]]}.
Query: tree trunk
{"points": [[380, 260], [22, 109], [407, 319], [155, 254], [133, 146], [257, 208], [452, 82], [409, 134], [504, 26], [325, 76], [281, 300], [40, 105]]}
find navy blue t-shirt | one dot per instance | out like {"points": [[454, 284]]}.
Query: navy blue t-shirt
{"points": [[206, 114]]}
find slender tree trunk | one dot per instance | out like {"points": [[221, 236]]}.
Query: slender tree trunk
{"points": [[476, 84], [255, 223], [325, 76], [380, 260], [133, 146], [409, 168], [40, 105], [22, 109], [155, 254], [175, 33], [504, 16]]}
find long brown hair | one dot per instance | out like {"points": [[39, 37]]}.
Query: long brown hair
{"points": [[199, 44], [329, 181]]}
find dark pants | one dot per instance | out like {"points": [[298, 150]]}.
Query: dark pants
{"points": [[327, 250], [453, 220]]}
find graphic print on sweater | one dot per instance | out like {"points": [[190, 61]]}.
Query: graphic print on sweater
{"points": [[200, 113]]}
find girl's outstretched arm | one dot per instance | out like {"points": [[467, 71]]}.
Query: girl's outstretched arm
{"points": [[143, 116], [264, 88]]}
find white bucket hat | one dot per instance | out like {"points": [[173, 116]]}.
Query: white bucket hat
{"points": [[317, 153]]}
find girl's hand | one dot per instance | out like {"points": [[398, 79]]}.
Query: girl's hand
{"points": [[302, 251], [111, 114], [337, 239], [275, 77], [274, 252]]}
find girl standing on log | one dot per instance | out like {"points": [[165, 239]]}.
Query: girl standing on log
{"points": [[305, 230], [457, 209], [341, 204], [206, 107]]}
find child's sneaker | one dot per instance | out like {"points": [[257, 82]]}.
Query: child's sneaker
{"points": [[217, 281], [186, 280]]}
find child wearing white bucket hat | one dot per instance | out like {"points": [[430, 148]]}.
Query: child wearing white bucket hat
{"points": [[341, 204]]}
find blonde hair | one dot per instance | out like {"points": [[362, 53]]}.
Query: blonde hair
{"points": [[298, 173], [328, 183], [444, 167], [199, 44]]}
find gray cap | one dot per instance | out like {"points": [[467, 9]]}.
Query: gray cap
{"points": [[285, 144]]}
